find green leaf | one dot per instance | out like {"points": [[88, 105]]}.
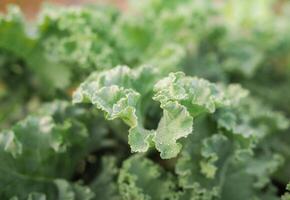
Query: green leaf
{"points": [[176, 123], [203, 162], [32, 152], [118, 94], [80, 37], [182, 98], [18, 42], [262, 167], [212, 150], [32, 196], [104, 185], [36, 196], [140, 178], [67, 191], [198, 95], [251, 118]]}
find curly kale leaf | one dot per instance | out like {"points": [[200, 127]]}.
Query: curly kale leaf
{"points": [[120, 94], [41, 151], [140, 178], [27, 46]]}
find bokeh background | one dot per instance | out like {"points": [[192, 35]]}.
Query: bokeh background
{"points": [[31, 7]]}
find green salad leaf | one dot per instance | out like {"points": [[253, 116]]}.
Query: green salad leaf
{"points": [[159, 100]]}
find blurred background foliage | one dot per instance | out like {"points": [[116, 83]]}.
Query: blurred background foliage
{"points": [[32, 7]]}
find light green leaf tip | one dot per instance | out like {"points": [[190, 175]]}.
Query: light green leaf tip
{"points": [[113, 92], [175, 124]]}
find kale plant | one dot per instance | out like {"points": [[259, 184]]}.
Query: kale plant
{"points": [[166, 100]]}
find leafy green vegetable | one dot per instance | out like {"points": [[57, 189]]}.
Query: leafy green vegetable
{"points": [[166, 100]]}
